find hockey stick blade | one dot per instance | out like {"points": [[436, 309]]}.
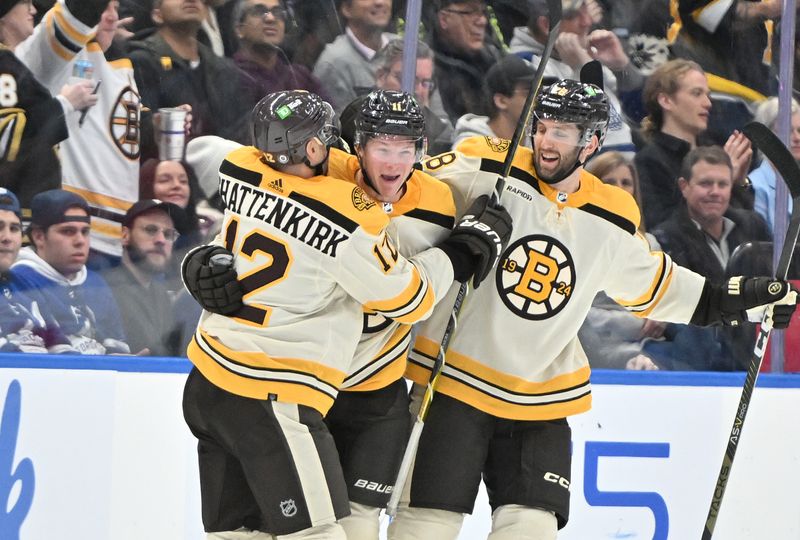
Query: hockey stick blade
{"points": [[774, 150], [554, 17]]}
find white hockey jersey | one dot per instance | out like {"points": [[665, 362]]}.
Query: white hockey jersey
{"points": [[309, 254], [423, 217], [100, 158], [515, 353]]}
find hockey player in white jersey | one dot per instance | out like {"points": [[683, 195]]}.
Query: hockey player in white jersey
{"points": [[515, 370], [309, 251], [369, 419]]}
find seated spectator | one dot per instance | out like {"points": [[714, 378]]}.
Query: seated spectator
{"points": [[508, 83], [264, 66], [173, 68], [52, 271], [23, 323], [32, 121], [175, 182], [702, 235], [676, 97], [463, 54], [344, 65], [576, 46], [148, 234], [388, 76], [612, 336], [763, 178]]}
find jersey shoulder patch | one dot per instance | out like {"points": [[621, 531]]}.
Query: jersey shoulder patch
{"points": [[495, 149]]}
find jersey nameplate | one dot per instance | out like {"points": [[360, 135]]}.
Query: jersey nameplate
{"points": [[284, 214]]}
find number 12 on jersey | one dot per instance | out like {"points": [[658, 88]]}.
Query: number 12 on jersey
{"points": [[257, 244]]}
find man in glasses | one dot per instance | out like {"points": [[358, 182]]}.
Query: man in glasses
{"points": [[148, 235], [463, 55], [52, 271], [285, 285], [261, 30], [344, 65], [388, 76]]}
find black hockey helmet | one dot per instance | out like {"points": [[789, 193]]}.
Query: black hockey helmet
{"points": [[392, 114], [283, 122], [575, 102]]}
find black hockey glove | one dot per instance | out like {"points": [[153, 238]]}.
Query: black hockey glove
{"points": [[210, 278], [475, 244], [745, 298]]}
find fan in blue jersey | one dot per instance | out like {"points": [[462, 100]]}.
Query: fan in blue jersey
{"points": [[23, 326]]}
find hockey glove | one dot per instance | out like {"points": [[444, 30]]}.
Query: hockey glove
{"points": [[475, 244], [745, 298], [210, 278]]}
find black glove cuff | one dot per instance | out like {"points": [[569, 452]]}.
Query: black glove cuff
{"points": [[461, 259]]}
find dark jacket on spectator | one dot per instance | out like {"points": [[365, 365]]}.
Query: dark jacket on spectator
{"points": [[146, 311], [658, 165], [29, 128], [258, 81], [460, 78], [686, 244], [212, 89]]}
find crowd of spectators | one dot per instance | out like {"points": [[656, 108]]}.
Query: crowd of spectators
{"points": [[85, 191]]}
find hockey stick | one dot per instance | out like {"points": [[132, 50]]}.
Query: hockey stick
{"points": [[554, 16], [772, 147]]}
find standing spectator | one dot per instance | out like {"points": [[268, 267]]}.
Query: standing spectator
{"points": [[701, 235], [53, 272], [107, 175], [575, 46], [148, 234], [344, 65], [463, 55], [264, 66], [676, 97], [31, 120], [23, 323], [763, 178], [388, 76], [508, 83], [173, 68]]}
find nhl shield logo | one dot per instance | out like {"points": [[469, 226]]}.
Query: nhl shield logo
{"points": [[288, 508], [361, 200]]}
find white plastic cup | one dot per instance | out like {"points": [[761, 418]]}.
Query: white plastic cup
{"points": [[172, 142]]}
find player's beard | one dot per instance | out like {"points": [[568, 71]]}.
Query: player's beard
{"points": [[140, 259], [566, 165]]}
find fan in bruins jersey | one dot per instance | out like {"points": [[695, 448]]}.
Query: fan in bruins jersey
{"points": [[272, 349], [515, 369], [32, 121]]}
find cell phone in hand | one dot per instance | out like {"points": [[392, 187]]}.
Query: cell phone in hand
{"points": [[84, 111]]}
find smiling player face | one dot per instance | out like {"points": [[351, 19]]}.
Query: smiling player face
{"points": [[388, 162]]}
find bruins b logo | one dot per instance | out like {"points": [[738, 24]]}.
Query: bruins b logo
{"points": [[497, 144], [535, 277], [124, 123], [361, 200]]}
